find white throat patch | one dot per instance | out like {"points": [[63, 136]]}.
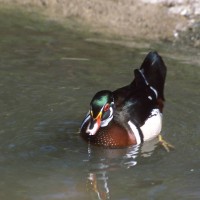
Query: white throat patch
{"points": [[92, 131]]}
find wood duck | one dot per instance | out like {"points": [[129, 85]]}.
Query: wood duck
{"points": [[129, 115]]}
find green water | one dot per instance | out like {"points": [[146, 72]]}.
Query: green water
{"points": [[48, 75]]}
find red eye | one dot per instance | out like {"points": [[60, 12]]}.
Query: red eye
{"points": [[106, 107]]}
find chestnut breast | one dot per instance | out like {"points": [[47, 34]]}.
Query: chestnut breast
{"points": [[113, 136]]}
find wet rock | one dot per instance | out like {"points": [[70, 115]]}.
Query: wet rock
{"points": [[188, 8], [191, 36]]}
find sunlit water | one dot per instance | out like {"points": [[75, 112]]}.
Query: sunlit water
{"points": [[48, 75]]}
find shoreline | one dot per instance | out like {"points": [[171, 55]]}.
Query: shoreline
{"points": [[175, 21]]}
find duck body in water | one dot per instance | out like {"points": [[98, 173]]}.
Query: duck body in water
{"points": [[129, 115]]}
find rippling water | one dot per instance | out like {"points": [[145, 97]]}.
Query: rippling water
{"points": [[48, 75]]}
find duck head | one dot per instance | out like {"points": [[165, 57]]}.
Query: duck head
{"points": [[101, 111]]}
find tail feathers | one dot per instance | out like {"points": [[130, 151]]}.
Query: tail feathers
{"points": [[139, 80], [155, 70]]}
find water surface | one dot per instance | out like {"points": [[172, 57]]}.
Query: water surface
{"points": [[48, 75]]}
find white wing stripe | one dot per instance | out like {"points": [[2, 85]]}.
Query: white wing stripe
{"points": [[135, 131]]}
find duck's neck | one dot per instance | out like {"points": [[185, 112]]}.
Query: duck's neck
{"points": [[106, 121]]}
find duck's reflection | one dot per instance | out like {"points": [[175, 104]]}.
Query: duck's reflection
{"points": [[103, 161], [98, 184]]}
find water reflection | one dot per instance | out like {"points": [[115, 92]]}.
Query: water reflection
{"points": [[101, 162]]}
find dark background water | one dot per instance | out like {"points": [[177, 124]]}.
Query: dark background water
{"points": [[48, 75]]}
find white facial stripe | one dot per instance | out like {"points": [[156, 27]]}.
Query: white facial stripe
{"points": [[86, 119], [102, 109], [135, 131], [106, 121]]}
